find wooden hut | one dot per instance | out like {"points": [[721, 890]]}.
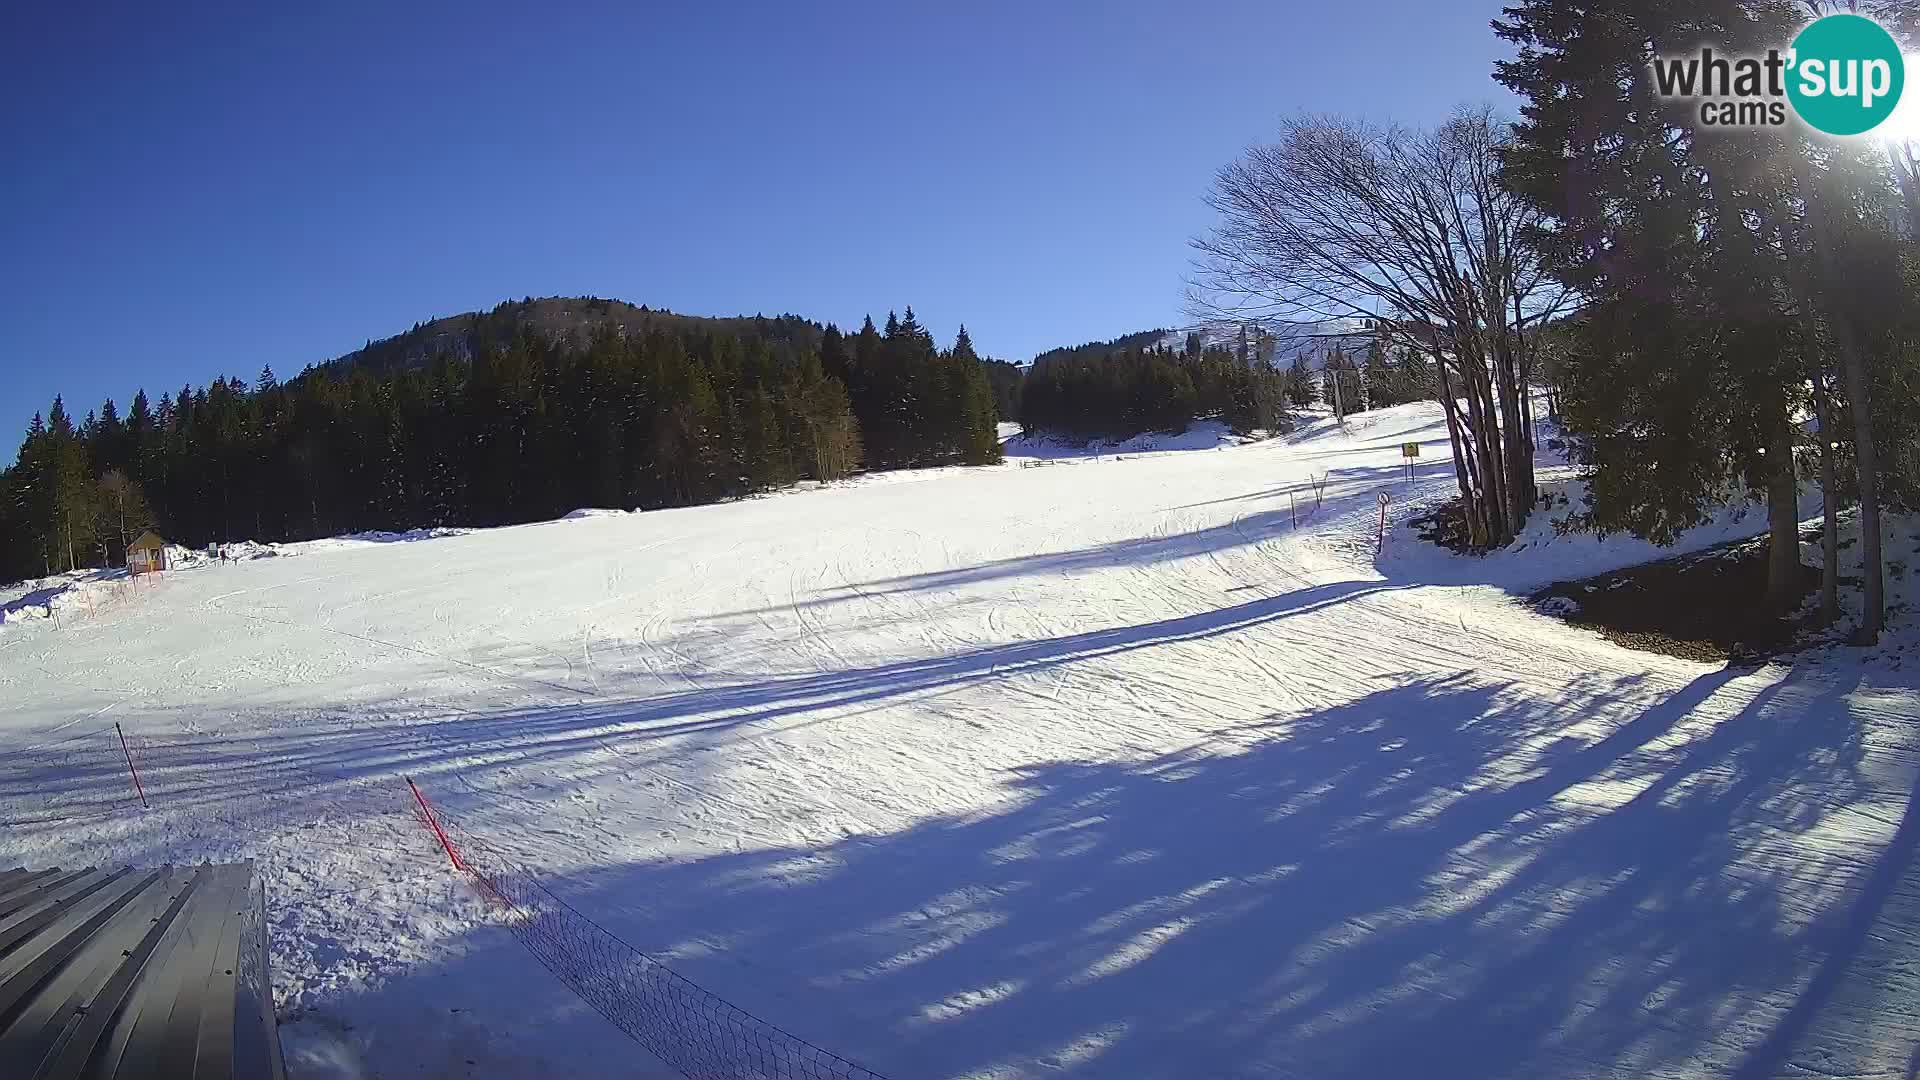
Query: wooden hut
{"points": [[146, 554]]}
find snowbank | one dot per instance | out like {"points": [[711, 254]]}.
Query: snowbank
{"points": [[1314, 426], [34, 598], [44, 598], [39, 598], [1544, 552], [1900, 548], [380, 536], [186, 558]]}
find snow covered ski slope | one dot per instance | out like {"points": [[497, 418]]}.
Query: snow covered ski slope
{"points": [[1097, 768]]}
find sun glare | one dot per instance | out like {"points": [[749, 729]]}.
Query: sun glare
{"points": [[1904, 124]]}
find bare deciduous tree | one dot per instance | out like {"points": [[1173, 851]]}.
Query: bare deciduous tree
{"points": [[123, 509], [1338, 219]]}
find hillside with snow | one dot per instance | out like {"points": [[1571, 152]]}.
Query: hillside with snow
{"points": [[1151, 763], [1311, 341]]}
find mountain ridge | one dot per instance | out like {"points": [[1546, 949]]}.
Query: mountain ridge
{"points": [[557, 318]]}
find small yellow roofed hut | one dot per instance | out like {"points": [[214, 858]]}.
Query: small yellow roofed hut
{"points": [[146, 554]]}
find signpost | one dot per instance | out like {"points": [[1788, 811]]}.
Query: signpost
{"points": [[1409, 451]]}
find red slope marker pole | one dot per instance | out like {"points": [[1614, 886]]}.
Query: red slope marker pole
{"points": [[141, 791], [426, 813]]}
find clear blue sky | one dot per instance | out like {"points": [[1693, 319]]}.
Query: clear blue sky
{"points": [[189, 192]]}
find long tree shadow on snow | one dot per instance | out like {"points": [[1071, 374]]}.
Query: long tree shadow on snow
{"points": [[85, 774], [1347, 490], [1432, 880]]}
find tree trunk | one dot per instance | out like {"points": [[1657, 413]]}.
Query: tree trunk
{"points": [[1493, 489], [1783, 515], [1516, 456], [1518, 453], [1866, 464], [1829, 508], [1527, 447], [1460, 441], [1857, 384], [1526, 418]]}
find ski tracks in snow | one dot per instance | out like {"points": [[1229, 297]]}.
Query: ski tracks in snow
{"points": [[800, 710]]}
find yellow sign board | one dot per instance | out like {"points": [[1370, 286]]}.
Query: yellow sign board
{"points": [[1409, 449]]}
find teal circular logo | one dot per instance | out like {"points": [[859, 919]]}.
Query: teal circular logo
{"points": [[1847, 74]]}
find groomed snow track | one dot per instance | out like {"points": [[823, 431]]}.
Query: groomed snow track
{"points": [[1098, 769]]}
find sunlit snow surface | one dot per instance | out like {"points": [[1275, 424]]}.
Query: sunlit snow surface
{"points": [[1114, 763]]}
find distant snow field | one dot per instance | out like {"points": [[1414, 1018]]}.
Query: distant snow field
{"points": [[1200, 435], [1148, 767]]}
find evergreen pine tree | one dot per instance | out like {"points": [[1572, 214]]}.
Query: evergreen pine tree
{"points": [[525, 426], [1303, 388], [1689, 370]]}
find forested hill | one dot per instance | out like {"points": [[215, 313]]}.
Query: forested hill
{"points": [[570, 321], [565, 320], [1135, 383], [520, 414], [1144, 339]]}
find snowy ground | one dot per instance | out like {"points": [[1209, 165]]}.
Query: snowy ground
{"points": [[1201, 435], [1104, 769]]}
